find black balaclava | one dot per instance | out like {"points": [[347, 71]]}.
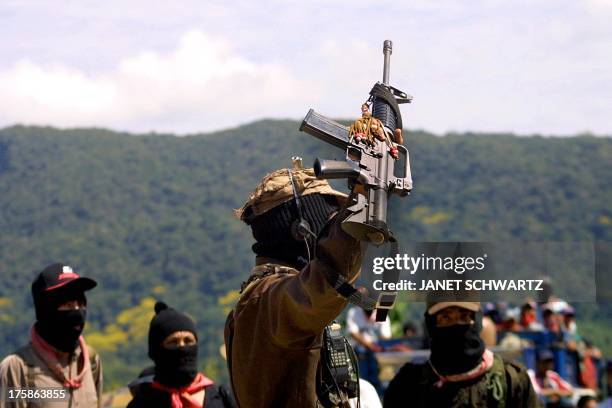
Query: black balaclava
{"points": [[455, 349], [175, 367], [60, 328], [273, 229]]}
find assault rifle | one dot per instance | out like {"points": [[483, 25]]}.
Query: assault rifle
{"points": [[374, 166], [377, 165]]}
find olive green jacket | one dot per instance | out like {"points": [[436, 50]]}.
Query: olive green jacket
{"points": [[505, 385]]}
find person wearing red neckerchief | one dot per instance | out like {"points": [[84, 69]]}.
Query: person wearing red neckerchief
{"points": [[460, 372], [57, 357], [175, 381]]}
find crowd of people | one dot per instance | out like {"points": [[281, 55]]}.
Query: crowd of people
{"points": [[283, 344], [546, 328], [554, 321]]}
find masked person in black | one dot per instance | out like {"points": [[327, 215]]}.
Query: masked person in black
{"points": [[57, 355], [175, 381], [460, 371]]}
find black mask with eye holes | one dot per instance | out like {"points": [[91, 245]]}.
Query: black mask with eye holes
{"points": [[176, 367], [455, 349], [60, 328], [274, 230]]}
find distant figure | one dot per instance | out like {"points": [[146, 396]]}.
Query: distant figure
{"points": [[553, 322], [410, 329], [608, 378], [587, 401], [57, 355], [569, 325], [488, 332], [175, 381], [365, 334], [529, 317], [551, 388], [510, 325]]}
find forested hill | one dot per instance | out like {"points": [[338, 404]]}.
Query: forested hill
{"points": [[150, 216]]}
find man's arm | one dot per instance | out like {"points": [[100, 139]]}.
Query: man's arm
{"points": [[365, 342], [298, 307], [11, 376], [352, 326], [385, 329]]}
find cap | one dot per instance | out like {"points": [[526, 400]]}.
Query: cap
{"points": [[59, 275], [435, 307], [276, 188], [568, 311], [512, 313]]}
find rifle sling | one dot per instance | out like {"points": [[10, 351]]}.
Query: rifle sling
{"points": [[385, 299]]}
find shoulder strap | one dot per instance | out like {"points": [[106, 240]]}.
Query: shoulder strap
{"points": [[25, 353], [497, 383], [93, 362], [261, 271]]}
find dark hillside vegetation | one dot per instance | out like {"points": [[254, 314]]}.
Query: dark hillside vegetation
{"points": [[150, 216]]}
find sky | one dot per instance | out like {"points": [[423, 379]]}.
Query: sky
{"points": [[529, 67]]}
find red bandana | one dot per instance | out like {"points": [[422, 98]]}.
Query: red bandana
{"points": [[49, 355], [480, 369], [181, 397]]}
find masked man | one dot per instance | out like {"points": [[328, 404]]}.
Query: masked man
{"points": [[175, 381], [56, 356], [460, 372], [275, 334]]}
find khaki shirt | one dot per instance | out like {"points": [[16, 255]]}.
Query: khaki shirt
{"points": [[274, 334], [14, 374]]}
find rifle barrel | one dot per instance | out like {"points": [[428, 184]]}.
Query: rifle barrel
{"points": [[387, 50]]}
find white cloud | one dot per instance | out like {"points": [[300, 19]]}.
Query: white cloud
{"points": [[202, 85], [481, 65]]}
